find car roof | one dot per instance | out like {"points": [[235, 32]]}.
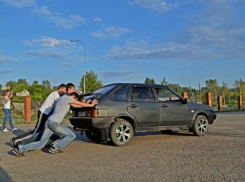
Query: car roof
{"points": [[140, 85]]}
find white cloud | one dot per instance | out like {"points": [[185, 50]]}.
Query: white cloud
{"points": [[96, 19], [8, 59], [216, 34], [47, 53], [48, 42], [67, 23], [116, 74], [169, 51], [111, 32], [156, 5], [20, 3], [2, 72], [78, 18], [68, 64]]}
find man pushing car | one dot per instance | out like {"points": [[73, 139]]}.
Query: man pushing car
{"points": [[54, 125]]}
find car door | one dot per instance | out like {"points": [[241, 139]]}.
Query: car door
{"points": [[142, 104], [172, 110]]}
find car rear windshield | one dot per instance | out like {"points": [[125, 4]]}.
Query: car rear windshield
{"points": [[104, 90]]}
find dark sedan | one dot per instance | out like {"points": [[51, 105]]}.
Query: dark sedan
{"points": [[125, 108]]}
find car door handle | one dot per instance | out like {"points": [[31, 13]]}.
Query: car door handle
{"points": [[163, 105], [132, 105]]}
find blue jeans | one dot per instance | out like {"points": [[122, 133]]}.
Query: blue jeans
{"points": [[50, 128], [7, 115]]}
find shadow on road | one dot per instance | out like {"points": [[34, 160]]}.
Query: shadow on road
{"points": [[227, 134], [16, 133], [4, 177]]}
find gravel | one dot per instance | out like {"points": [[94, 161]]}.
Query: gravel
{"points": [[151, 156]]}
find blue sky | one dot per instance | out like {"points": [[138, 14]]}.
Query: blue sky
{"points": [[185, 41]]}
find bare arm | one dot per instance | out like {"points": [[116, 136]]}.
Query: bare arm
{"points": [[6, 98], [83, 104]]}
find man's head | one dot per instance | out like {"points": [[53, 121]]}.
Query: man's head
{"points": [[74, 95], [8, 93], [70, 88], [61, 89]]}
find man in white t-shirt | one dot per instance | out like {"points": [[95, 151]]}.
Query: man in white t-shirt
{"points": [[43, 113], [54, 125], [7, 111]]}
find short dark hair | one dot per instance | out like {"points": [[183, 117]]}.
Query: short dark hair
{"points": [[75, 94], [7, 91], [61, 86], [69, 85]]}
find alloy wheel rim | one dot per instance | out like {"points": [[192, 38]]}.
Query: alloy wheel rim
{"points": [[123, 133], [202, 125]]}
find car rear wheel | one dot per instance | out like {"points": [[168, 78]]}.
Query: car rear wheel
{"points": [[121, 133], [201, 125], [94, 135]]}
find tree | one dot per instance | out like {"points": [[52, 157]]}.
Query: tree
{"points": [[91, 82], [240, 86], [10, 85], [164, 81], [149, 81], [212, 86], [225, 91], [35, 83], [176, 87], [46, 85], [55, 88], [1, 87], [22, 81]]}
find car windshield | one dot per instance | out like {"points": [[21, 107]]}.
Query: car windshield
{"points": [[104, 90]]}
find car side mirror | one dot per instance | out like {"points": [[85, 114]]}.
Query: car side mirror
{"points": [[185, 101]]}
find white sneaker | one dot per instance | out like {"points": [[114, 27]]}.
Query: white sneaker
{"points": [[14, 129], [5, 130]]}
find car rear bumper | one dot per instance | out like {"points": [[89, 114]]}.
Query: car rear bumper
{"points": [[89, 123]]}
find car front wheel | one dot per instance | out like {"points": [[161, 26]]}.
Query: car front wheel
{"points": [[201, 125], [121, 133]]}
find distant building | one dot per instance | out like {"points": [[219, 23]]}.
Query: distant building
{"points": [[24, 93]]}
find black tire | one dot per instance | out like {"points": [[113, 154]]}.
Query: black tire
{"points": [[166, 131], [121, 133], [94, 135], [201, 125]]}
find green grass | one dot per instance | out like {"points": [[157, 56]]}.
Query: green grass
{"points": [[234, 110]]}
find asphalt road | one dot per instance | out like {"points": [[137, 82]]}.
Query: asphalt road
{"points": [[151, 156]]}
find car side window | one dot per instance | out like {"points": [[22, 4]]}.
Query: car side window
{"points": [[120, 94], [166, 95], [142, 94]]}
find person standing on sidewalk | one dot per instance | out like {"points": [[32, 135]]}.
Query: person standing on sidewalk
{"points": [[7, 111], [54, 125]]}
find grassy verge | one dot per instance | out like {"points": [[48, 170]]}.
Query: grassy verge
{"points": [[234, 110]]}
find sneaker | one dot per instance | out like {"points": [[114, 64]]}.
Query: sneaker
{"points": [[54, 150], [48, 145], [17, 152], [14, 129], [12, 142], [5, 130]]}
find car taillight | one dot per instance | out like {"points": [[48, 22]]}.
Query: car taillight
{"points": [[92, 113], [73, 113]]}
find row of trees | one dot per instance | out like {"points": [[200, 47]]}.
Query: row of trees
{"points": [[229, 94], [39, 91]]}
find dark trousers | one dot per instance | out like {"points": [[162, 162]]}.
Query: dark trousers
{"points": [[34, 135]]}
